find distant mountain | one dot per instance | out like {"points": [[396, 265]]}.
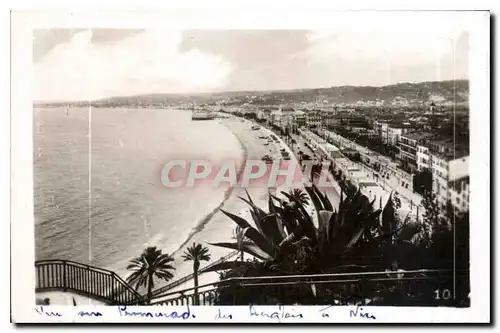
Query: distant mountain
{"points": [[401, 94]]}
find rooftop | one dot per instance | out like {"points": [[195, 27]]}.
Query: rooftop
{"points": [[398, 124], [453, 154], [417, 135]]}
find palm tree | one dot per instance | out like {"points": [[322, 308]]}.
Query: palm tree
{"points": [[196, 253], [152, 263]]}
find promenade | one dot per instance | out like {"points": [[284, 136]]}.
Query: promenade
{"points": [[389, 185], [370, 182]]}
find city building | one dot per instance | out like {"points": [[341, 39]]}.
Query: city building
{"points": [[391, 132], [287, 109], [264, 114], [353, 121], [275, 117], [459, 194], [300, 119], [450, 181], [424, 160], [314, 119], [286, 121], [407, 145], [330, 120]]}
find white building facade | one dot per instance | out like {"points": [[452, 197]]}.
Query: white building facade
{"points": [[450, 181], [424, 160], [314, 119]]}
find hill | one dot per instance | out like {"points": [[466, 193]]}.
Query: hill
{"points": [[401, 94]]}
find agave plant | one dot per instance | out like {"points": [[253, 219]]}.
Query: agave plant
{"points": [[262, 239], [352, 234], [342, 236]]}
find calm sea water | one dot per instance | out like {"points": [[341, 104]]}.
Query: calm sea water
{"points": [[98, 194]]}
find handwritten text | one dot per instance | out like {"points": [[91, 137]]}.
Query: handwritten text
{"points": [[280, 314], [156, 314]]}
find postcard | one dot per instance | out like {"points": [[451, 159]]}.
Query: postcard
{"points": [[217, 166]]}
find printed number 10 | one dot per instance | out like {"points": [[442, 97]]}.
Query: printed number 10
{"points": [[446, 294]]}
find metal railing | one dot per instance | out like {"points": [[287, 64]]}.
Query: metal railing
{"points": [[401, 288], [86, 280], [164, 289]]}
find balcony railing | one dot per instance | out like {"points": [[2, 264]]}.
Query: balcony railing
{"points": [[403, 288], [85, 280]]}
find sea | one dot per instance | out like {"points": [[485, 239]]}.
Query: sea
{"points": [[98, 193]]}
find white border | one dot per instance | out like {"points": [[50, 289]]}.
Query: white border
{"points": [[264, 17]]}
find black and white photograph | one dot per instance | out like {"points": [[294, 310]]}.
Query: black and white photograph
{"points": [[184, 168]]}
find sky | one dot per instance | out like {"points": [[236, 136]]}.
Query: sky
{"points": [[76, 64]]}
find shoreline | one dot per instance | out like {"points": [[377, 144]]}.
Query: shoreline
{"points": [[216, 226], [202, 228], [227, 195]]}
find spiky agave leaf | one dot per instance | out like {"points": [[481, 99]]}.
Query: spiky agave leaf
{"points": [[325, 202], [323, 231], [271, 205], [324, 222], [249, 197], [256, 212], [388, 216], [355, 238], [305, 223], [253, 206], [317, 203], [273, 228], [247, 247], [241, 222], [288, 240], [260, 240]]}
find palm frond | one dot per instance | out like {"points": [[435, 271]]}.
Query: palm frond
{"points": [[151, 262], [196, 253]]}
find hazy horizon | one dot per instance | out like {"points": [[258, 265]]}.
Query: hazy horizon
{"points": [[243, 91]]}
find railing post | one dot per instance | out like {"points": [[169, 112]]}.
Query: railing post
{"points": [[87, 281], [64, 275]]}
